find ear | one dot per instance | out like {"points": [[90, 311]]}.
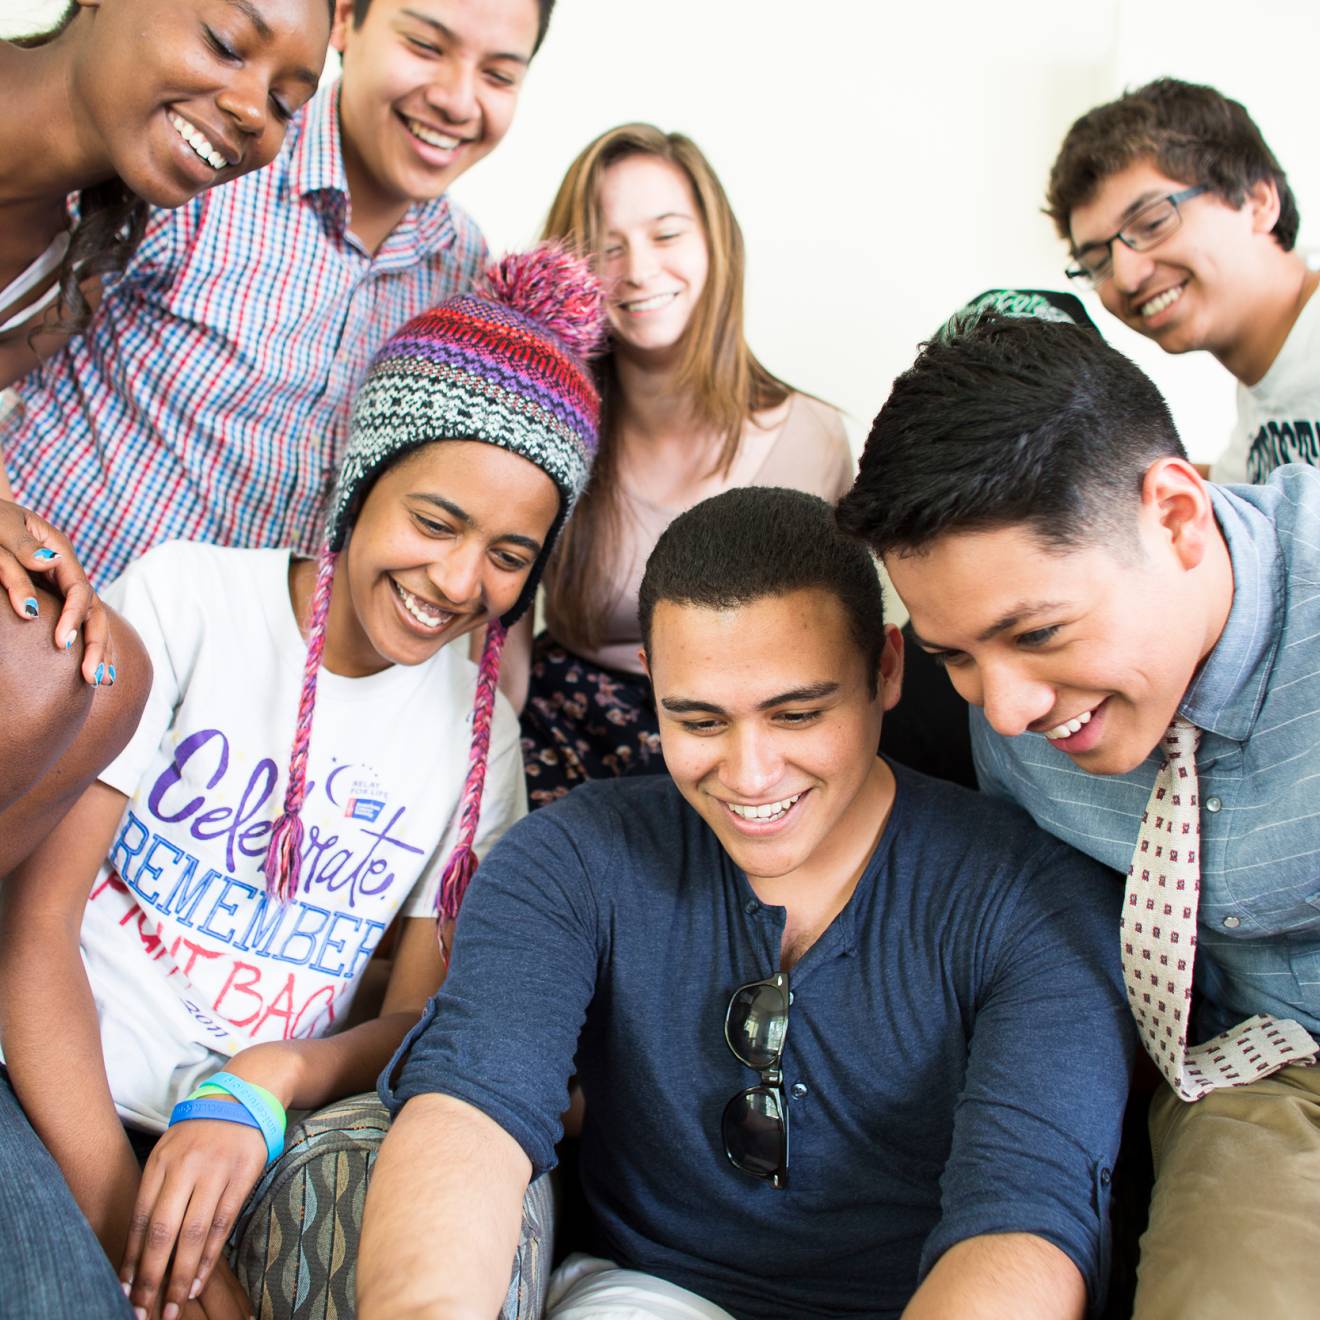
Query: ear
{"points": [[1263, 205], [342, 25], [646, 664], [1176, 507], [890, 685]]}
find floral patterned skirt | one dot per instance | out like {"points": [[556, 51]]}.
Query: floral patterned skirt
{"points": [[583, 722]]}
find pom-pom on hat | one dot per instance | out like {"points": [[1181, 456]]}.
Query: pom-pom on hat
{"points": [[504, 364]]}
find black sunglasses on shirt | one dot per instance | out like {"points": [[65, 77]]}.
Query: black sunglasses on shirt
{"points": [[755, 1122]]}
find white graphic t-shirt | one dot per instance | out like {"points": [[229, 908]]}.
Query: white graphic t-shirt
{"points": [[1278, 418], [189, 960]]}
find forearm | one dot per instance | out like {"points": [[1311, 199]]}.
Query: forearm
{"points": [[454, 1259], [1001, 1276], [52, 1048], [306, 1074]]}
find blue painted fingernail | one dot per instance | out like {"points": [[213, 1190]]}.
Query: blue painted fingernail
{"points": [[30, 606], [44, 556], [112, 675], [70, 639], [99, 675]]}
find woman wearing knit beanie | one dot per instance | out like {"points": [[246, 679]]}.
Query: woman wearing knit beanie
{"points": [[175, 952]]}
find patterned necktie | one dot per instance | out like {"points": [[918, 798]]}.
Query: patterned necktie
{"points": [[1159, 943]]}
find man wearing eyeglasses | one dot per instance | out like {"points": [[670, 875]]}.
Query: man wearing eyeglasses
{"points": [[1182, 220], [851, 1040]]}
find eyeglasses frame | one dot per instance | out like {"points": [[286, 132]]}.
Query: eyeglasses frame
{"points": [[1176, 200]]}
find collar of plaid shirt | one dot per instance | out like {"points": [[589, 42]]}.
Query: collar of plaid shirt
{"points": [[316, 174]]}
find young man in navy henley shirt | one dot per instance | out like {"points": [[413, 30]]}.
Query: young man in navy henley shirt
{"points": [[952, 1062]]}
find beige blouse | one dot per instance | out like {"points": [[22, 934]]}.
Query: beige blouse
{"points": [[809, 452]]}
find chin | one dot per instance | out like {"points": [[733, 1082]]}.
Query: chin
{"points": [[764, 861], [159, 187]]}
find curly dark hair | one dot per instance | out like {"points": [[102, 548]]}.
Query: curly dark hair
{"points": [[110, 221], [1192, 132]]}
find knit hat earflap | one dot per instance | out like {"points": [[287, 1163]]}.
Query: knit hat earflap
{"points": [[506, 365]]}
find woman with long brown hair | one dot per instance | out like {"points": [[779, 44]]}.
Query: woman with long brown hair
{"points": [[687, 411]]}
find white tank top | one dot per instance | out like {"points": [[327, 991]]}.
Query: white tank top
{"points": [[29, 279]]}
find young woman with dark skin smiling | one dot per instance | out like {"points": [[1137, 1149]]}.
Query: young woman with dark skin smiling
{"points": [[92, 112]]}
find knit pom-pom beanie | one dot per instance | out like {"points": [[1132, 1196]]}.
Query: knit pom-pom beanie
{"points": [[504, 364]]}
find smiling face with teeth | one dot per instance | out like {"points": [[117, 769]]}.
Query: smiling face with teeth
{"points": [[443, 543], [769, 727], [207, 99], [1092, 646], [655, 257], [1196, 288], [429, 88]]}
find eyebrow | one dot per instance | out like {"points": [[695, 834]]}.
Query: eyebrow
{"points": [[462, 515], [449, 35], [689, 706], [1017, 615], [263, 29]]}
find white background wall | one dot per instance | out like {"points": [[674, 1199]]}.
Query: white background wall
{"points": [[887, 161]]}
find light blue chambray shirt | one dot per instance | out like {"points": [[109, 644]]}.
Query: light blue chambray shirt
{"points": [[1257, 700]]}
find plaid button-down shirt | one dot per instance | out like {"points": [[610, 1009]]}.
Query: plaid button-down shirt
{"points": [[210, 397]]}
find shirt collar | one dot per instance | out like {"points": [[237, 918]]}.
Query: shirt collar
{"points": [[316, 161], [316, 172], [1226, 696]]}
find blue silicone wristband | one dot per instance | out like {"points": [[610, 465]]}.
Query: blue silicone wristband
{"points": [[217, 1109], [258, 1108]]}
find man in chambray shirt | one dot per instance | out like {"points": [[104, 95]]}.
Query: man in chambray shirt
{"points": [[1083, 586]]}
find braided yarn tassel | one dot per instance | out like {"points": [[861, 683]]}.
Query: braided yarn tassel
{"points": [[284, 852], [462, 863]]}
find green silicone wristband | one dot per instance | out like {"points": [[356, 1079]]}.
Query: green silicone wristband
{"points": [[209, 1089]]}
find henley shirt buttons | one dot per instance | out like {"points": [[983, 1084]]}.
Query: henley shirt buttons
{"points": [[1105, 1177], [1213, 804], [752, 907], [1232, 922], [799, 1090]]}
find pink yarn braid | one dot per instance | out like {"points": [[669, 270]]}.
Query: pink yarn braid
{"points": [[284, 852], [462, 863]]}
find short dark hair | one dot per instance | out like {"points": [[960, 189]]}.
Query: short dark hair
{"points": [[1010, 420], [1193, 133], [546, 7], [755, 542]]}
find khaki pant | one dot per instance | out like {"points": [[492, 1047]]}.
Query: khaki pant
{"points": [[1234, 1228]]}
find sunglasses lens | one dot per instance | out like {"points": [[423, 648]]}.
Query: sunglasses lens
{"points": [[755, 1027], [755, 1137]]}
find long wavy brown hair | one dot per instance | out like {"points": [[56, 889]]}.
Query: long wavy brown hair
{"points": [[725, 382]]}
